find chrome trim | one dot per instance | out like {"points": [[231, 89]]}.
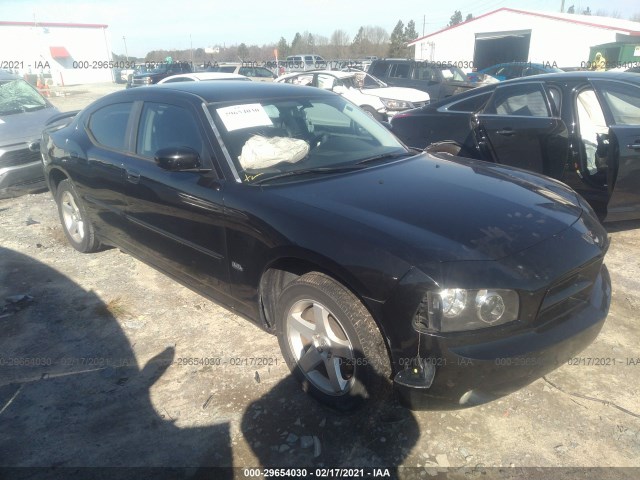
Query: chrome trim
{"points": [[216, 132]]}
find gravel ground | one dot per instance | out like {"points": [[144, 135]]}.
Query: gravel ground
{"points": [[107, 362]]}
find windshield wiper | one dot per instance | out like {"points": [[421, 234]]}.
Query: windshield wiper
{"points": [[321, 170], [384, 156]]}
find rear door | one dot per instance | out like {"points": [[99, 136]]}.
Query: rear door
{"points": [[520, 127], [621, 102], [99, 167]]}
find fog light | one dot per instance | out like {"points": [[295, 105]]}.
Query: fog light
{"points": [[490, 306]]}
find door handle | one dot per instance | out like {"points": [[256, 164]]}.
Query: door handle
{"points": [[133, 176], [506, 132], [634, 146]]}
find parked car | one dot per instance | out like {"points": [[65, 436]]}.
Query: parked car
{"points": [[304, 61], [202, 76], [154, 72], [437, 79], [23, 114], [456, 280], [255, 73], [582, 128], [508, 71], [373, 96]]}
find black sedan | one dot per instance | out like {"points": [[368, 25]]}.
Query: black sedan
{"points": [[458, 281], [582, 128]]}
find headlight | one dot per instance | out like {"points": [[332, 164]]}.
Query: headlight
{"points": [[396, 104], [148, 80], [457, 309]]}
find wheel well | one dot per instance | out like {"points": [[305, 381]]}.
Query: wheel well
{"points": [[273, 281], [283, 272], [55, 177]]}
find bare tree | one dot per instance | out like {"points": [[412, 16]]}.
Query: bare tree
{"points": [[340, 44]]}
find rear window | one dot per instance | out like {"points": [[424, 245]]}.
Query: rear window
{"points": [[399, 70], [472, 104], [109, 125]]}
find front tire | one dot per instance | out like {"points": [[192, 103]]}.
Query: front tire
{"points": [[332, 344], [75, 222]]}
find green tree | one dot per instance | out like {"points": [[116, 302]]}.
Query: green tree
{"points": [[283, 48], [243, 51], [571, 9], [397, 47], [469, 17], [587, 11], [410, 33], [296, 44], [456, 18]]}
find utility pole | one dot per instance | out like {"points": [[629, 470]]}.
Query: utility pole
{"points": [[562, 6]]}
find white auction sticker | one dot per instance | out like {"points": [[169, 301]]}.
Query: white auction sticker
{"points": [[244, 116]]}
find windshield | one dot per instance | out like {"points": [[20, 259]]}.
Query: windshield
{"points": [[369, 81], [303, 136], [17, 96], [454, 73]]}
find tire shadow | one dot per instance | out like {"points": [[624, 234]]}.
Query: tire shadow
{"points": [[286, 428]]}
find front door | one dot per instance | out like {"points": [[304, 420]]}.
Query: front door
{"points": [[621, 102], [177, 217]]}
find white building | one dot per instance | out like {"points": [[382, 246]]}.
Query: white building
{"points": [[506, 35], [66, 53]]}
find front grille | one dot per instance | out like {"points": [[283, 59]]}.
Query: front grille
{"points": [[18, 157], [420, 104], [570, 292]]}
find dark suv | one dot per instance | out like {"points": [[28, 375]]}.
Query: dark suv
{"points": [[158, 71], [438, 79]]}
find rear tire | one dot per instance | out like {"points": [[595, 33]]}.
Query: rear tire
{"points": [[75, 222], [332, 344]]}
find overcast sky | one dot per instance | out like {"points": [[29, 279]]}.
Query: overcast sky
{"points": [[155, 24]]}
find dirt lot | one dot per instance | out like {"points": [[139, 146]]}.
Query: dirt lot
{"points": [[101, 365]]}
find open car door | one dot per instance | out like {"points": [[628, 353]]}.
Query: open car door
{"points": [[622, 104], [624, 173], [520, 126]]}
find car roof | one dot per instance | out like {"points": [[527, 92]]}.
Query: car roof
{"points": [[568, 76], [335, 73], [4, 75], [206, 76], [227, 90], [559, 77]]}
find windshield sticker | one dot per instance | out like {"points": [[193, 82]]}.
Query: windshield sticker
{"points": [[244, 116]]}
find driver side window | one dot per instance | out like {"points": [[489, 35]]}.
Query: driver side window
{"points": [[163, 125]]}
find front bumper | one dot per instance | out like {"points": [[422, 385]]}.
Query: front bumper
{"points": [[461, 373], [18, 179]]}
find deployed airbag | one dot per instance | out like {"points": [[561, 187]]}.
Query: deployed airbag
{"points": [[262, 152]]}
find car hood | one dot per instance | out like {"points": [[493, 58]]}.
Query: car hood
{"points": [[427, 209], [398, 93], [24, 127]]}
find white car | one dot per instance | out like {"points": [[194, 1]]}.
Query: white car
{"points": [[372, 95], [202, 76], [254, 72]]}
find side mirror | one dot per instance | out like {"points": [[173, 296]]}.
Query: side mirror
{"points": [[177, 158]]}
